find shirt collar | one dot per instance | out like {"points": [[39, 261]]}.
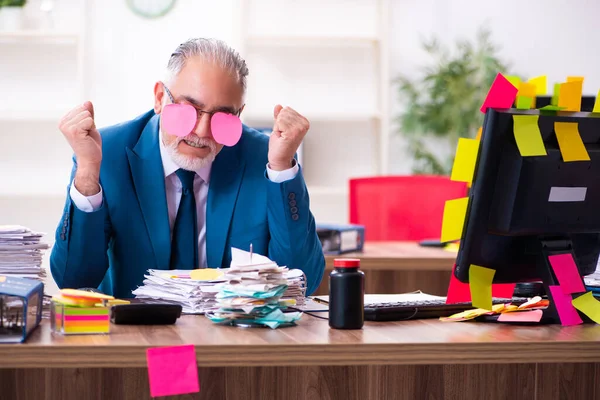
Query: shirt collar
{"points": [[170, 167]]}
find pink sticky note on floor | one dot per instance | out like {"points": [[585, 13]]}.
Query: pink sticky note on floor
{"points": [[172, 370], [502, 94], [567, 273], [563, 302], [459, 292], [521, 316]]}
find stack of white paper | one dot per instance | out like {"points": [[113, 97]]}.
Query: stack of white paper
{"points": [[177, 287], [21, 252]]}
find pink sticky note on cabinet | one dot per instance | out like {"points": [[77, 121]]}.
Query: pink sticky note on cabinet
{"points": [[172, 370], [563, 302], [567, 273], [502, 94]]}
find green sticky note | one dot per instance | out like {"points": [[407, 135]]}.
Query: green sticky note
{"points": [[524, 102], [480, 283], [528, 136], [588, 305], [555, 93], [515, 80], [551, 108]]}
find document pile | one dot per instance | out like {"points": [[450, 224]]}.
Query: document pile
{"points": [[194, 290], [258, 292], [21, 252]]}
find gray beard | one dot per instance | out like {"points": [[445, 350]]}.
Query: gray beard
{"points": [[190, 163]]}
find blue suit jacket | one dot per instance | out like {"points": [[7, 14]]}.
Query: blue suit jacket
{"points": [[112, 248]]}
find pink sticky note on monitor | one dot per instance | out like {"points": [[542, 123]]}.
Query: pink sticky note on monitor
{"points": [[459, 292], [521, 316], [172, 370], [563, 302], [502, 94], [567, 273]]}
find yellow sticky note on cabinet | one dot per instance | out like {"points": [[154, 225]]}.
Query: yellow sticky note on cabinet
{"points": [[569, 95], [541, 84], [570, 143], [480, 283], [597, 104], [588, 305], [455, 211], [528, 136], [464, 160]]}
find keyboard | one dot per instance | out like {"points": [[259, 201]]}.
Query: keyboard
{"points": [[423, 308]]}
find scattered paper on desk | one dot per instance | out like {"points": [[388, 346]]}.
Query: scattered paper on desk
{"points": [[588, 305], [570, 143], [480, 281], [541, 84], [502, 94], [597, 103], [565, 309], [569, 95], [172, 370], [455, 211], [465, 160], [521, 316], [528, 136], [567, 273]]}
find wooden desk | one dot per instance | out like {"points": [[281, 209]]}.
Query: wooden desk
{"points": [[399, 267], [425, 359]]}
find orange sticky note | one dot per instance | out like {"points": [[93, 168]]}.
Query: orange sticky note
{"points": [[528, 136], [588, 305], [527, 89], [480, 281], [541, 84], [464, 160], [455, 211], [575, 78], [569, 95], [597, 104], [480, 131], [570, 143]]}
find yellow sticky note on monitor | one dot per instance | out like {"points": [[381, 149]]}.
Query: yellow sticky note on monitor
{"points": [[480, 283], [205, 274], [570, 143], [569, 95], [455, 211], [541, 84], [597, 104], [588, 305], [464, 160], [528, 136]]}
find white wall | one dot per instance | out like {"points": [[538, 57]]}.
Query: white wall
{"points": [[536, 37]]}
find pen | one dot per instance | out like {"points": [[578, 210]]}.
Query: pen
{"points": [[250, 253]]}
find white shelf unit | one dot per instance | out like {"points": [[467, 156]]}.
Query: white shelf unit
{"points": [[332, 67]]}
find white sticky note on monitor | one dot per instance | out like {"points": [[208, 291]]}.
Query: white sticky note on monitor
{"points": [[567, 194]]}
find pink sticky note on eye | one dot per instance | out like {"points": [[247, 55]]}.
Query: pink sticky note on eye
{"points": [[226, 128], [172, 370], [502, 94], [563, 302], [567, 273], [178, 119]]}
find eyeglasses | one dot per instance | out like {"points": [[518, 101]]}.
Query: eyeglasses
{"points": [[180, 119]]}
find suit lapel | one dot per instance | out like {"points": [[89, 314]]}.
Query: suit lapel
{"points": [[149, 182], [225, 180]]}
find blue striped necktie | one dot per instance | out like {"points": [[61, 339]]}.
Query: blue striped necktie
{"points": [[184, 244]]}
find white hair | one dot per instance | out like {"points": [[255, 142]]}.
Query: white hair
{"points": [[212, 50]]}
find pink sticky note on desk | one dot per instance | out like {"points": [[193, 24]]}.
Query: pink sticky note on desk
{"points": [[563, 302], [172, 370], [567, 273], [502, 94], [521, 316], [459, 292]]}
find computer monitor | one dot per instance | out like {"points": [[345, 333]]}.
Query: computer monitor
{"points": [[511, 225], [587, 102]]}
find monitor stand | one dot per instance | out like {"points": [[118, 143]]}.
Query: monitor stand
{"points": [[549, 247]]}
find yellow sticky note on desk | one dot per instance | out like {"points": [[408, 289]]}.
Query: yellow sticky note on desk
{"points": [[569, 95], [588, 305], [570, 143], [597, 104], [528, 136], [541, 84], [455, 211], [480, 283], [464, 160]]}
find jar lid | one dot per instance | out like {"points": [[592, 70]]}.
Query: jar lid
{"points": [[346, 262]]}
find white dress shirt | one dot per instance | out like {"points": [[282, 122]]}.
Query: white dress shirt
{"points": [[173, 191]]}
